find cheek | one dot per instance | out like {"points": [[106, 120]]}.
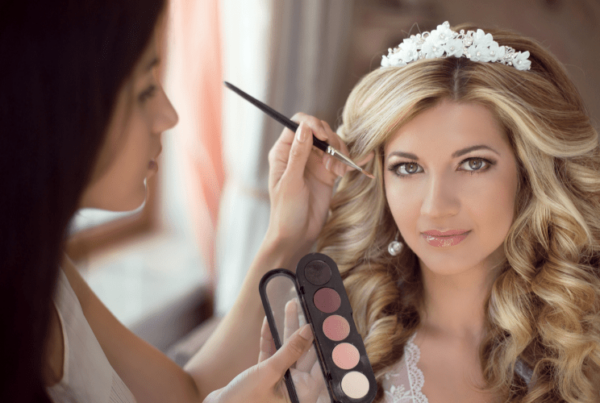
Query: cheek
{"points": [[494, 208], [404, 205], [134, 154]]}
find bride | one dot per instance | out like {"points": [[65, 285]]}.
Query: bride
{"points": [[472, 260]]}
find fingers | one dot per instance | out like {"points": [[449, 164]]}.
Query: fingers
{"points": [[267, 344], [299, 153], [290, 352], [323, 131], [316, 125], [307, 361], [332, 164], [290, 322], [213, 397]]}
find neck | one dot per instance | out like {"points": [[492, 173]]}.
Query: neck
{"points": [[454, 303]]}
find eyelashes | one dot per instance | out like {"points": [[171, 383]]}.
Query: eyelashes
{"points": [[473, 165], [147, 93]]}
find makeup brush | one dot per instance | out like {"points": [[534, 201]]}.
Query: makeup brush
{"points": [[293, 126]]}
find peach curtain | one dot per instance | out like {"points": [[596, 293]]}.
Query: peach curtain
{"points": [[196, 71]]}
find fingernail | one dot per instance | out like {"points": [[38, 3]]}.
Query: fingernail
{"points": [[300, 134], [328, 163], [306, 332]]}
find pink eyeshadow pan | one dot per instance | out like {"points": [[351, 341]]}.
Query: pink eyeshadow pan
{"points": [[345, 356], [336, 328], [327, 300]]}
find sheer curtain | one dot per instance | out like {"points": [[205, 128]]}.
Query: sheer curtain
{"points": [[194, 84], [290, 55]]}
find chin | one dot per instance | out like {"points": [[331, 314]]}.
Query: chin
{"points": [[131, 202], [442, 268], [136, 202]]}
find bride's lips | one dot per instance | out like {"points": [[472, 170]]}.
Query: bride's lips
{"points": [[444, 239]]}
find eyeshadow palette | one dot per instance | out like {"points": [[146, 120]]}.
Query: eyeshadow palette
{"points": [[336, 368]]}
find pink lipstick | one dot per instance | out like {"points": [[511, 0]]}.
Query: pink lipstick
{"points": [[442, 239]]}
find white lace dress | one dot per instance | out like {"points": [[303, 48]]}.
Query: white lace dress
{"points": [[403, 383]]}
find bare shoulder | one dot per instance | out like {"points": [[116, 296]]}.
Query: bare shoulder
{"points": [[78, 284]]}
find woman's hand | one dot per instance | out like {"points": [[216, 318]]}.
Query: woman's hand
{"points": [[301, 180], [263, 383], [306, 373]]}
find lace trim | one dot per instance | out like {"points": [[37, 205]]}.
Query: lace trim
{"points": [[415, 375], [412, 354], [398, 394]]}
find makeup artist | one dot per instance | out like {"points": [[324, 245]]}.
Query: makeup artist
{"points": [[82, 114]]}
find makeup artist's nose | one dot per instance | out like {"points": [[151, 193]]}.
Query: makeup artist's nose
{"points": [[166, 116], [440, 199]]}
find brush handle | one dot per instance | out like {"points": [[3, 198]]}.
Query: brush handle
{"points": [[293, 126]]}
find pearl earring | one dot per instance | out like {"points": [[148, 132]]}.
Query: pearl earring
{"points": [[395, 247]]}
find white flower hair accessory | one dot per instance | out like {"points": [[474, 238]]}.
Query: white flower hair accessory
{"points": [[443, 42]]}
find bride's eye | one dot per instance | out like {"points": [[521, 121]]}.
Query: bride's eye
{"points": [[475, 165], [406, 168]]}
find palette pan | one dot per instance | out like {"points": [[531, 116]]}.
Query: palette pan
{"points": [[336, 368]]}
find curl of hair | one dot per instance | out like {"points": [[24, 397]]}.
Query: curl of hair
{"points": [[544, 305]]}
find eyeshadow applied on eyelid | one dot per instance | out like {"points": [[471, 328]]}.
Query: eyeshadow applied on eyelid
{"points": [[396, 168], [455, 154]]}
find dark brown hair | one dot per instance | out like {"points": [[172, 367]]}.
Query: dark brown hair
{"points": [[63, 64]]}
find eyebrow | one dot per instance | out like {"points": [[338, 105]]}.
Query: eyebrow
{"points": [[153, 63], [456, 154]]}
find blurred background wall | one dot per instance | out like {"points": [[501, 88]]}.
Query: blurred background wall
{"points": [[313, 52], [208, 210]]}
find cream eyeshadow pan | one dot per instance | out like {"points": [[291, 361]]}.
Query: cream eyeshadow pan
{"points": [[318, 286]]}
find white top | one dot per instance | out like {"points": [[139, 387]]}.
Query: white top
{"points": [[404, 381], [87, 375]]}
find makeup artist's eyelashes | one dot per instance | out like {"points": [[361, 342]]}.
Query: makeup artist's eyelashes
{"points": [[472, 165], [147, 93]]}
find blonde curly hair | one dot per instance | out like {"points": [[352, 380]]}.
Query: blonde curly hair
{"points": [[543, 306]]}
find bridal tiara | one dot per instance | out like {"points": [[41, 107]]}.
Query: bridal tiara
{"points": [[444, 42]]}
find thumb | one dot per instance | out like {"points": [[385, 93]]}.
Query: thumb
{"points": [[299, 153], [290, 352]]}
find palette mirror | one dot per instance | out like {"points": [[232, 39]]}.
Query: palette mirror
{"points": [[286, 312]]}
